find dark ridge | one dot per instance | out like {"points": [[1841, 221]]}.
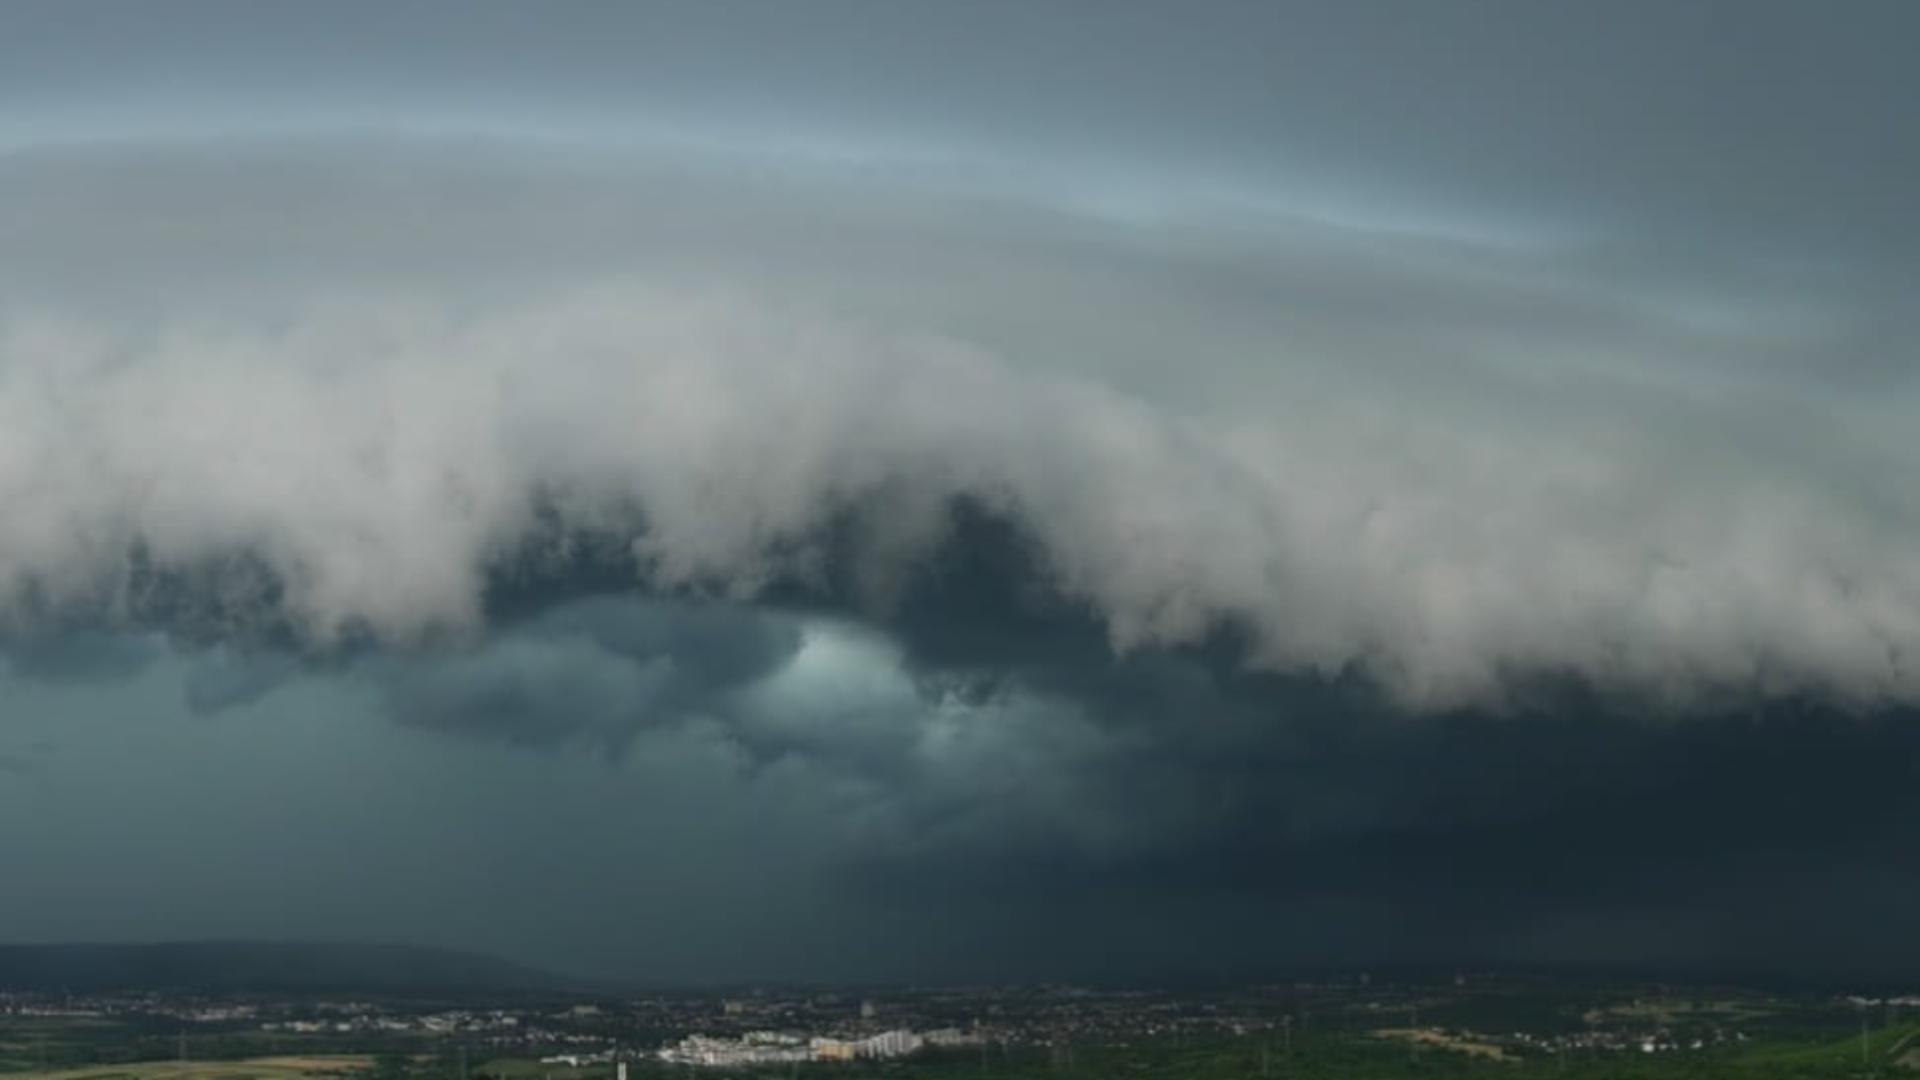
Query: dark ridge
{"points": [[276, 967]]}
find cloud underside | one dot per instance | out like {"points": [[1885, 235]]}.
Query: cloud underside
{"points": [[993, 794]]}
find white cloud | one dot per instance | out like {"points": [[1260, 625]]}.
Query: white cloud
{"points": [[1405, 470]]}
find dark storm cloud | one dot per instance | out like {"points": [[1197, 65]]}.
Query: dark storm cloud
{"points": [[1016, 753], [1248, 819], [1062, 489]]}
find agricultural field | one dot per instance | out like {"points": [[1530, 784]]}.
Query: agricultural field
{"points": [[314, 1067]]}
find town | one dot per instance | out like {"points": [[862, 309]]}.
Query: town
{"points": [[1353, 1018]]}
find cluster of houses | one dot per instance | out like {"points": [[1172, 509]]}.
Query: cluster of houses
{"points": [[777, 1047]]}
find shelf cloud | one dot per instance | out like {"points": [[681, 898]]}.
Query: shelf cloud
{"points": [[1409, 497]]}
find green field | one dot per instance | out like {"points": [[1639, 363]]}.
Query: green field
{"points": [[1885, 1047], [266, 1068]]}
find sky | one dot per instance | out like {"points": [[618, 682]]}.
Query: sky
{"points": [[859, 491]]}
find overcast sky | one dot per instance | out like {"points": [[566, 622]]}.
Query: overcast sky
{"points": [[860, 490]]}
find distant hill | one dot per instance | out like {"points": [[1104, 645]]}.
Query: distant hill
{"points": [[231, 966]]}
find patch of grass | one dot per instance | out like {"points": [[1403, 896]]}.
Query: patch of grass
{"points": [[1883, 1044]]}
